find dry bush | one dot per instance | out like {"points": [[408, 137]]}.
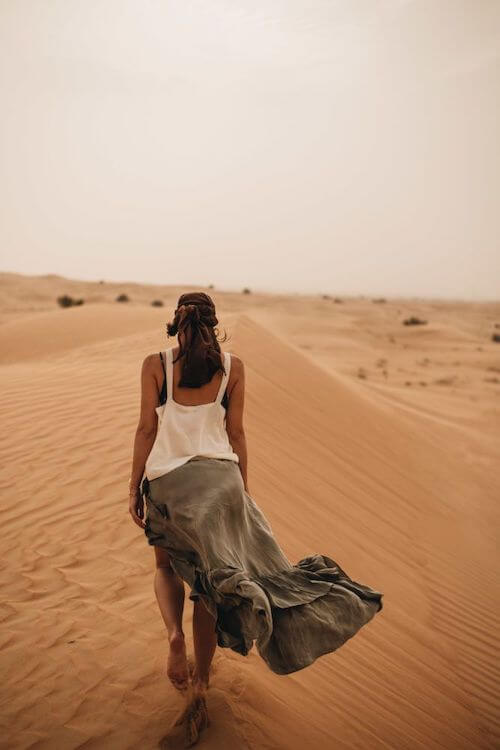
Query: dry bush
{"points": [[414, 321], [66, 301]]}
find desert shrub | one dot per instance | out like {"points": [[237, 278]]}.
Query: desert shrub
{"points": [[495, 337], [246, 290], [66, 301], [446, 381], [326, 296], [414, 321], [210, 286], [122, 298], [157, 303], [338, 300], [379, 300]]}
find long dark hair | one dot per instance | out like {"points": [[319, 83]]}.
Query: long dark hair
{"points": [[195, 315]]}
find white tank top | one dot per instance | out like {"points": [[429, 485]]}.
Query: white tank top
{"points": [[185, 431]]}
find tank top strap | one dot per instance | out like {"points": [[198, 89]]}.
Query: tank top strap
{"points": [[162, 359], [225, 377], [162, 396], [170, 373]]}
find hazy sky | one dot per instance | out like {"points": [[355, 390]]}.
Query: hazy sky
{"points": [[339, 146]]}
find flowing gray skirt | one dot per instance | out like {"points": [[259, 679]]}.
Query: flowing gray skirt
{"points": [[221, 544]]}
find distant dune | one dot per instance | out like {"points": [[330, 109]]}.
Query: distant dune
{"points": [[369, 441]]}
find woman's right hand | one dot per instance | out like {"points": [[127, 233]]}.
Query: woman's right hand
{"points": [[136, 507]]}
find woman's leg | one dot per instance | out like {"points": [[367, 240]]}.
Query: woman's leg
{"points": [[169, 589], [205, 642]]}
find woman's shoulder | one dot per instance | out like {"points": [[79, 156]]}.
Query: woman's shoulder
{"points": [[152, 362], [236, 374], [154, 357], [237, 366]]}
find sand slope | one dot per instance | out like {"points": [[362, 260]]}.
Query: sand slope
{"points": [[383, 487]]}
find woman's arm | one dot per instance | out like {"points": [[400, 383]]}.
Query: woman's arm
{"points": [[145, 433], [234, 416]]}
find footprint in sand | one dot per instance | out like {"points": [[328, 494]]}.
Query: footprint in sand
{"points": [[208, 717]]}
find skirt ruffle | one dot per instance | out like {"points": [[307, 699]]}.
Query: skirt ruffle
{"points": [[293, 613]]}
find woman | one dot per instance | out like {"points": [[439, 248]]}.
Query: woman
{"points": [[207, 530]]}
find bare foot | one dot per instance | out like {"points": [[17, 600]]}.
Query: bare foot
{"points": [[200, 685], [177, 668], [196, 719], [194, 716]]}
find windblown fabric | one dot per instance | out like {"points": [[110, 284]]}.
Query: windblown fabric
{"points": [[221, 544]]}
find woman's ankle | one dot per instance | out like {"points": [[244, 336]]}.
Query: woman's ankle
{"points": [[176, 638], [200, 686], [200, 681]]}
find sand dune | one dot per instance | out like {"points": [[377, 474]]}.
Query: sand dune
{"points": [[397, 483]]}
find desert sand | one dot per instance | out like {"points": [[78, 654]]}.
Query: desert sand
{"points": [[385, 441]]}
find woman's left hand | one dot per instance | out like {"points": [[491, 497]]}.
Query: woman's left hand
{"points": [[136, 507]]}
